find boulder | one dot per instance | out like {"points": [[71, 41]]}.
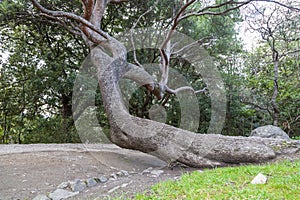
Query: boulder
{"points": [[269, 131]]}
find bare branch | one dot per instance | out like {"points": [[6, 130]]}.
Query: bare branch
{"points": [[98, 12], [289, 52], [171, 91], [205, 11], [117, 1], [88, 6], [70, 16], [164, 66], [198, 42], [282, 4], [165, 48], [62, 23], [131, 33], [175, 24], [201, 91]]}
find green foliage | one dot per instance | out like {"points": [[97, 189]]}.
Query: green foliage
{"points": [[296, 137], [50, 130], [259, 70], [37, 79], [232, 183]]}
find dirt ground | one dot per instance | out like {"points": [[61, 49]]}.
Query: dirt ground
{"points": [[29, 170]]}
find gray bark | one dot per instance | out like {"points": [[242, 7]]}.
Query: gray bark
{"points": [[170, 143], [166, 142]]}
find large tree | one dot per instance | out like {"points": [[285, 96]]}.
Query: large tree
{"points": [[171, 144], [279, 50], [36, 88]]}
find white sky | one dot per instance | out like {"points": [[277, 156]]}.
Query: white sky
{"points": [[250, 39]]}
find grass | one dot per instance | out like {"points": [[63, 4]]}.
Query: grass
{"points": [[296, 138], [232, 183]]}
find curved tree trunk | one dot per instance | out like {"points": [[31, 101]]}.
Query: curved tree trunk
{"points": [[169, 143], [166, 142]]}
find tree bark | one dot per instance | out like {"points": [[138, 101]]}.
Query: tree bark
{"points": [[275, 92], [170, 143], [166, 142]]}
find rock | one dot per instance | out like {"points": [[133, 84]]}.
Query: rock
{"points": [[259, 179], [122, 173], [114, 176], [269, 131], [91, 182], [147, 171], [119, 174], [63, 185], [60, 194], [156, 173], [102, 179], [41, 197], [78, 186]]}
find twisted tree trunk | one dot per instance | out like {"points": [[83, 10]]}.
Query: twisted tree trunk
{"points": [[169, 143], [166, 142]]}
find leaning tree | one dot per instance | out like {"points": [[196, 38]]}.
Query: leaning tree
{"points": [[109, 56]]}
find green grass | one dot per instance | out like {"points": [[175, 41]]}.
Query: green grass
{"points": [[232, 183], [296, 138]]}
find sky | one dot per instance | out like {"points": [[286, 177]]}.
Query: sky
{"points": [[250, 39]]}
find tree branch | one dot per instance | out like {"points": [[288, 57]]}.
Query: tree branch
{"points": [[98, 12], [117, 1], [88, 8], [171, 91], [63, 24], [282, 4], [70, 16], [289, 52], [131, 33], [205, 12]]}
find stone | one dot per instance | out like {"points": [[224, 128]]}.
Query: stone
{"points": [[269, 131], [119, 174], [259, 179], [114, 176], [60, 194], [122, 173], [147, 171], [126, 173], [102, 179], [78, 186], [90, 182], [63, 185], [156, 173], [41, 197]]}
